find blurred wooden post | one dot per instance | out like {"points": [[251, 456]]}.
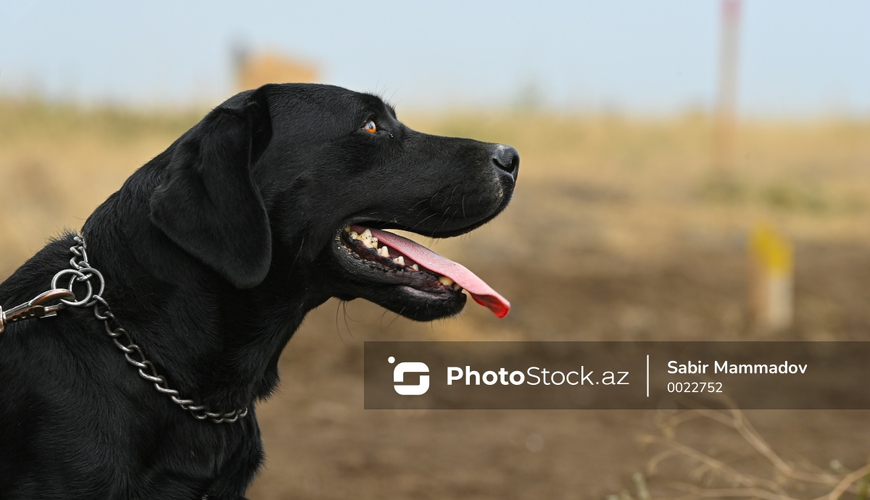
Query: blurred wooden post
{"points": [[726, 112], [771, 284], [255, 69]]}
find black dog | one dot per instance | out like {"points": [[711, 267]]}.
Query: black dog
{"points": [[212, 253]]}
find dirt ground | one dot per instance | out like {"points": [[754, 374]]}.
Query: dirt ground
{"points": [[620, 230], [321, 444]]}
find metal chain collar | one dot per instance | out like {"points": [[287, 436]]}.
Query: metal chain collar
{"points": [[83, 274]]}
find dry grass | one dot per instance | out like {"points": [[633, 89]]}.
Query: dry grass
{"points": [[58, 162], [736, 462], [649, 183], [811, 177]]}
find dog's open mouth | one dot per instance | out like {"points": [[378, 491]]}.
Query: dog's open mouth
{"points": [[404, 262]]}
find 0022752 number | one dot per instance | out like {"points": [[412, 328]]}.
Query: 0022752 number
{"points": [[694, 386]]}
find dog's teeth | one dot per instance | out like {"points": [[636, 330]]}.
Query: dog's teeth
{"points": [[444, 280], [399, 260], [457, 287], [415, 267], [354, 235], [384, 251], [367, 241]]}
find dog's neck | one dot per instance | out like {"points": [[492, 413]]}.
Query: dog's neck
{"points": [[216, 344]]}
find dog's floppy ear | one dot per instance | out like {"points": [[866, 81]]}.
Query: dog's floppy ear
{"points": [[207, 201]]}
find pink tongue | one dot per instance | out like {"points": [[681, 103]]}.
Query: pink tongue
{"points": [[482, 293]]}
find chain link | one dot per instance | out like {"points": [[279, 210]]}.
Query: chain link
{"points": [[82, 274]]}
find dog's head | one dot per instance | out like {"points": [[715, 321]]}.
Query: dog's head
{"points": [[300, 180]]}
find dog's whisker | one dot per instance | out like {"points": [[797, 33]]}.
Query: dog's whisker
{"points": [[337, 327], [346, 323], [295, 259]]}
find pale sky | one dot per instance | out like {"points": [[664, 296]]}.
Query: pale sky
{"points": [[797, 57]]}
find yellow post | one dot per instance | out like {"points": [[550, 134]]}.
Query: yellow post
{"points": [[771, 286]]}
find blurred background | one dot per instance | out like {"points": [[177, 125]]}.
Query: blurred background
{"points": [[690, 171]]}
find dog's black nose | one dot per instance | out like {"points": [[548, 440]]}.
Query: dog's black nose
{"points": [[506, 158]]}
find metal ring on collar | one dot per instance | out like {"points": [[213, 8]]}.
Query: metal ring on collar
{"points": [[76, 276], [89, 273]]}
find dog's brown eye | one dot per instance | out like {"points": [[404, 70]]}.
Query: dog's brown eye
{"points": [[371, 127]]}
